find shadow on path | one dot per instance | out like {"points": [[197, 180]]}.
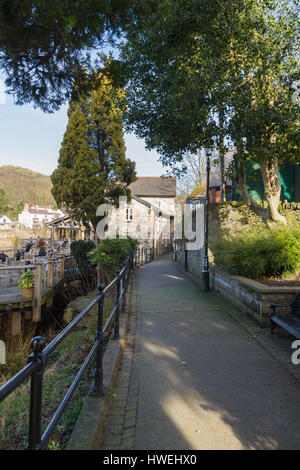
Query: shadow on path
{"points": [[204, 383]]}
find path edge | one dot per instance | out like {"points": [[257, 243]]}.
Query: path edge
{"points": [[89, 427]]}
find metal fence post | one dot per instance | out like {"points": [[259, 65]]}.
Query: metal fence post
{"points": [[97, 388], [116, 333], [36, 389]]}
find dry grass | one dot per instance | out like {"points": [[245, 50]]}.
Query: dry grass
{"points": [[63, 365]]}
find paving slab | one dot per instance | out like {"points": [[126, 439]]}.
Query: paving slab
{"points": [[204, 381]]}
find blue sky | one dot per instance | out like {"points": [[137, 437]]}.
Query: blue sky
{"points": [[31, 139]]}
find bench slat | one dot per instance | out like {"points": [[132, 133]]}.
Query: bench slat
{"points": [[289, 323]]}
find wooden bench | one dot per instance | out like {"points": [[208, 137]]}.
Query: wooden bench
{"points": [[289, 320]]}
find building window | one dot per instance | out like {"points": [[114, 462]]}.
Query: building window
{"points": [[129, 214]]}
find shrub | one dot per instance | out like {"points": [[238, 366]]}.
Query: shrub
{"points": [[111, 253], [273, 252], [80, 250], [26, 280]]}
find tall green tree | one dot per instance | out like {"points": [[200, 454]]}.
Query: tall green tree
{"points": [[92, 167], [202, 73], [265, 121], [177, 76], [45, 45]]}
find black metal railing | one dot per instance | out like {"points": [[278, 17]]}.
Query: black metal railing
{"points": [[38, 359], [143, 256]]}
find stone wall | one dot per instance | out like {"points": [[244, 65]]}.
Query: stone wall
{"points": [[192, 258], [7, 237], [166, 204], [146, 225], [252, 298]]}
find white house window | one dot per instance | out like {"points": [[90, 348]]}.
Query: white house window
{"points": [[129, 214]]}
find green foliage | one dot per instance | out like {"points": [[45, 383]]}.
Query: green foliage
{"points": [[260, 253], [191, 61], [3, 202], [80, 250], [111, 253], [92, 167], [45, 45], [23, 186], [26, 280], [62, 367]]}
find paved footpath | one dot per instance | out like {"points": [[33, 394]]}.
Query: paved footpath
{"points": [[193, 378]]}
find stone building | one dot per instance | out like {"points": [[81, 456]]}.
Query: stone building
{"points": [[149, 217], [5, 221], [36, 216]]}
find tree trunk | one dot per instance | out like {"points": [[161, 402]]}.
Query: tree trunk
{"points": [[271, 179], [272, 188], [242, 189]]}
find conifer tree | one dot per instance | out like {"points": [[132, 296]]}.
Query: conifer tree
{"points": [[46, 45], [92, 167]]}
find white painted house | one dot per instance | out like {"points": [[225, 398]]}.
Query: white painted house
{"points": [[149, 217], [36, 216], [4, 220]]}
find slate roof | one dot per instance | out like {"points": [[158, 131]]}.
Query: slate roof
{"points": [[154, 186], [58, 220]]}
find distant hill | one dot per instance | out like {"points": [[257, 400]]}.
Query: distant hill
{"points": [[24, 186]]}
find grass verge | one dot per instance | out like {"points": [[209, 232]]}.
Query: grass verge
{"points": [[62, 367]]}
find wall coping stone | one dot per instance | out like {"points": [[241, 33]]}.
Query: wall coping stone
{"points": [[256, 285]]}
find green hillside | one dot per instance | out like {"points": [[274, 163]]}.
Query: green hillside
{"points": [[19, 186]]}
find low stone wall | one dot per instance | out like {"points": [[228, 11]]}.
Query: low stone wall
{"points": [[192, 258], [252, 298]]}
